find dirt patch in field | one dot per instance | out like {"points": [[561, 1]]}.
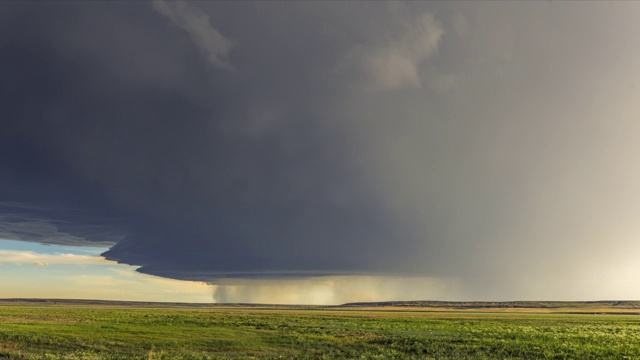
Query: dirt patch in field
{"points": [[6, 346], [26, 320]]}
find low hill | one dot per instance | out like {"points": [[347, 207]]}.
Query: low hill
{"points": [[567, 307]]}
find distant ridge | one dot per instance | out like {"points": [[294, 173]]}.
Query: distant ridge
{"points": [[568, 307], [627, 304]]}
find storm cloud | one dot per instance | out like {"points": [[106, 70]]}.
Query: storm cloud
{"points": [[489, 144]]}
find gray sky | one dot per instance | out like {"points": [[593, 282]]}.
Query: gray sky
{"points": [[485, 148]]}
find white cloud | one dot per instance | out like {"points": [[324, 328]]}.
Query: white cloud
{"points": [[28, 257], [195, 22], [89, 277], [395, 65]]}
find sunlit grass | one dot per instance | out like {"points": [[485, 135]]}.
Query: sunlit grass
{"points": [[103, 332]]}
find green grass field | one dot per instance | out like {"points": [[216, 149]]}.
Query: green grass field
{"points": [[85, 331]]}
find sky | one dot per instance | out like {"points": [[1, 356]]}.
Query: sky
{"points": [[321, 152], [31, 270]]}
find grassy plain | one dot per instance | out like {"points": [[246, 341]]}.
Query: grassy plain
{"points": [[154, 331]]}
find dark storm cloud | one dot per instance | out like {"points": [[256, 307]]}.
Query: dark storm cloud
{"points": [[52, 224], [216, 159], [484, 143]]}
